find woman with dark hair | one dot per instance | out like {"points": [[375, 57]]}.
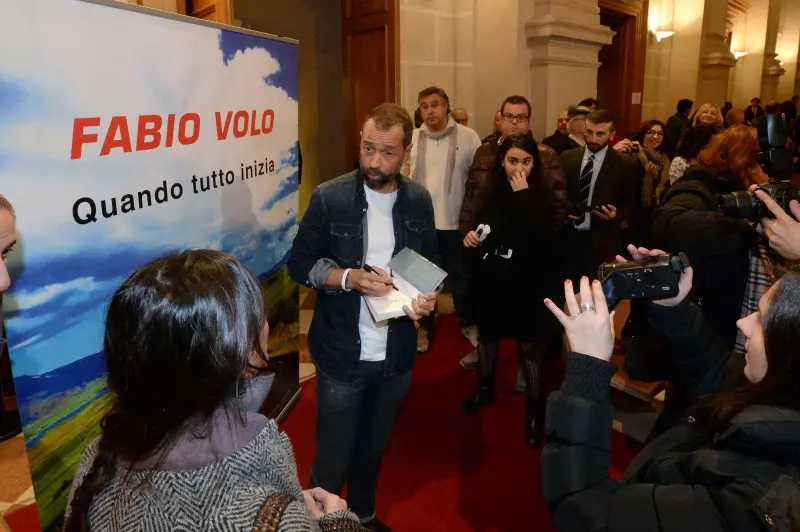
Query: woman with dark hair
{"points": [[718, 244], [182, 445], [694, 140], [728, 463], [647, 149], [506, 272]]}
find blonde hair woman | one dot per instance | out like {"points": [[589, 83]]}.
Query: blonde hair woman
{"points": [[708, 115]]}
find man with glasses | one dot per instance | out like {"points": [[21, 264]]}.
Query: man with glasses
{"points": [[576, 126], [515, 118]]}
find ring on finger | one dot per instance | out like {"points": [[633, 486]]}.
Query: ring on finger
{"points": [[588, 307]]}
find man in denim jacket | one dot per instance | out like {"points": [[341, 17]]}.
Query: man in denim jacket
{"points": [[363, 367]]}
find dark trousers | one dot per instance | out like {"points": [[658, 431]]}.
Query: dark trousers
{"points": [[583, 258], [354, 423], [451, 249]]}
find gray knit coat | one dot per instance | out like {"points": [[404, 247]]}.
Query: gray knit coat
{"points": [[225, 495]]}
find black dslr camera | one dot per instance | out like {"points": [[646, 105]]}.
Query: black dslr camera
{"points": [[745, 204], [776, 161], [648, 278]]}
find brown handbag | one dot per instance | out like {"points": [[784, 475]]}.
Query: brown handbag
{"points": [[270, 513]]}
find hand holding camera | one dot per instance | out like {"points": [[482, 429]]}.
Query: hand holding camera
{"points": [[782, 230], [640, 255]]}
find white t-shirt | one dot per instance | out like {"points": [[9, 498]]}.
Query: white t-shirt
{"points": [[380, 242]]}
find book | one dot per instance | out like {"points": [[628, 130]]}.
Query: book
{"points": [[413, 274]]}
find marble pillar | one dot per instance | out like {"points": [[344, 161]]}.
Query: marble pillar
{"points": [[753, 28], [564, 37], [716, 59], [788, 47], [772, 69]]}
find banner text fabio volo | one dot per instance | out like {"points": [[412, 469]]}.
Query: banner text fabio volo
{"points": [[149, 132]]}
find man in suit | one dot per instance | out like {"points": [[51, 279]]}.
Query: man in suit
{"points": [[600, 184], [754, 111]]}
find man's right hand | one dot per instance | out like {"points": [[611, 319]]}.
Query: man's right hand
{"points": [[369, 284], [472, 240]]}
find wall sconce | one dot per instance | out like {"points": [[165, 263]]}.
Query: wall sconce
{"points": [[663, 35], [737, 55]]}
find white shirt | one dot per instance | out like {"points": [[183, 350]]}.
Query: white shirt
{"points": [[446, 207], [380, 245], [599, 157]]}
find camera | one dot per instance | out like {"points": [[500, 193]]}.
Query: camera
{"points": [[648, 278], [745, 204], [775, 159]]}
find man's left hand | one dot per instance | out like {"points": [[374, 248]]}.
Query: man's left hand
{"points": [[423, 306], [607, 212]]}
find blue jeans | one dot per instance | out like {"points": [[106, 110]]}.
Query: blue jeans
{"points": [[354, 424]]}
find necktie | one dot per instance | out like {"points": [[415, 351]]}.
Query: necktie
{"points": [[585, 184]]}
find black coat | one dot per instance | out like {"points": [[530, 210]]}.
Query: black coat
{"points": [[504, 295], [742, 479], [717, 245]]}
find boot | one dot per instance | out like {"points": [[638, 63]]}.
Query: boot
{"points": [[484, 396], [534, 421]]}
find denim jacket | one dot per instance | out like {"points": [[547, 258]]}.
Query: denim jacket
{"points": [[333, 234]]}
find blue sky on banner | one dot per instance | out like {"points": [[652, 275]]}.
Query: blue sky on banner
{"points": [[130, 64]]}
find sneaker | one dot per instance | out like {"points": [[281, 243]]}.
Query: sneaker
{"points": [[470, 362], [471, 334], [376, 525], [520, 386], [422, 340]]}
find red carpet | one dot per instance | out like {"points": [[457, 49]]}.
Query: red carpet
{"points": [[448, 472]]}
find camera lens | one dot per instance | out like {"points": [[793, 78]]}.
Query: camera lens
{"points": [[740, 204]]}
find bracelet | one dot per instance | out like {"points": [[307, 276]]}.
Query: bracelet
{"points": [[344, 280]]}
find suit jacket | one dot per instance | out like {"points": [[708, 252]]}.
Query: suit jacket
{"points": [[749, 115], [615, 185], [560, 143]]}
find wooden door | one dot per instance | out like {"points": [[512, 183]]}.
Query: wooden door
{"points": [[610, 82], [369, 33], [624, 76], [213, 10]]}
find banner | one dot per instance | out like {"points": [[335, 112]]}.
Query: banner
{"points": [[126, 134]]}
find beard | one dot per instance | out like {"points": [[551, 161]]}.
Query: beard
{"points": [[595, 147], [377, 179]]}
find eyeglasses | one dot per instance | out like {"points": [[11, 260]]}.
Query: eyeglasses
{"points": [[508, 117], [655, 133]]}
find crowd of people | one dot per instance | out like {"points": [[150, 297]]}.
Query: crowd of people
{"points": [[521, 227]]}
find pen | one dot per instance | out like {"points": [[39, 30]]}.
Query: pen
{"points": [[370, 269]]}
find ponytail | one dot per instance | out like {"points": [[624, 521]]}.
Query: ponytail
{"points": [[102, 471]]}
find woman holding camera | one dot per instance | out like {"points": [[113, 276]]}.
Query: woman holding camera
{"points": [[717, 243], [507, 274], [731, 464], [183, 446], [647, 148]]}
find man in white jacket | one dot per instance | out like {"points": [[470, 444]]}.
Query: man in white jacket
{"points": [[441, 155]]}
